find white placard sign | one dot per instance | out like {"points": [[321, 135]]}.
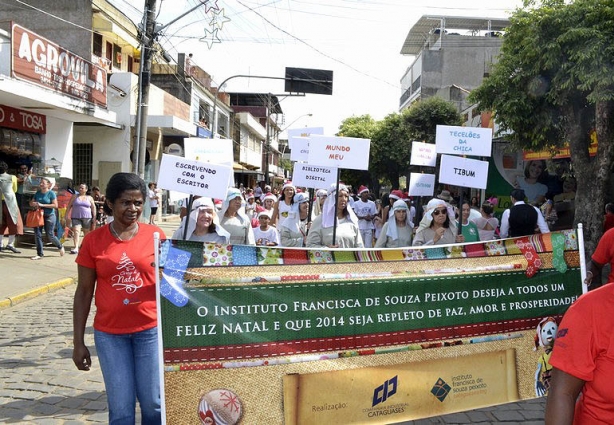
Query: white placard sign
{"points": [[339, 152], [194, 177], [300, 149], [216, 151], [293, 133], [455, 140], [463, 172], [313, 176], [421, 184], [423, 154]]}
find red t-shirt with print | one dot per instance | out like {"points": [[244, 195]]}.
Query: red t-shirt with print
{"points": [[125, 294], [584, 348]]}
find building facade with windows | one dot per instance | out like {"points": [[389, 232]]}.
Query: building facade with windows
{"points": [[452, 55]]}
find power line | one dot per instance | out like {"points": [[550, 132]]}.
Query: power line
{"points": [[317, 50]]}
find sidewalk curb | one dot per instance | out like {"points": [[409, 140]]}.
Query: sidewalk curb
{"points": [[50, 287]]}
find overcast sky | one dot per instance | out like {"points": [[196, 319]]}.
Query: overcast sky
{"points": [[359, 40]]}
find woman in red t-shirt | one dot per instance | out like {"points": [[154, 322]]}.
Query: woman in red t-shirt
{"points": [[116, 264]]}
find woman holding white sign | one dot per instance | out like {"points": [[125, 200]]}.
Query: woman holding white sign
{"points": [[347, 234], [234, 220], [438, 226], [203, 225]]}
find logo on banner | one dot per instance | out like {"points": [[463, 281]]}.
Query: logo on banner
{"points": [[384, 391], [441, 389]]}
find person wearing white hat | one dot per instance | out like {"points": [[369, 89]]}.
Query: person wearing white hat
{"points": [[203, 224], [365, 210], [321, 195], [293, 231], [394, 196], [284, 204], [265, 234], [438, 226], [347, 233], [234, 220], [397, 232], [268, 202]]}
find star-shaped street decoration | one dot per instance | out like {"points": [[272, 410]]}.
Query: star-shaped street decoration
{"points": [[211, 5], [210, 37], [218, 19]]}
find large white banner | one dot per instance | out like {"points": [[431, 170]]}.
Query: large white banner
{"points": [[194, 177], [216, 151], [423, 154], [421, 184], [300, 149], [313, 176], [464, 172], [473, 141], [339, 152], [293, 133]]}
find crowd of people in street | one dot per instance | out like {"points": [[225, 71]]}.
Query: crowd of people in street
{"points": [[289, 216]]}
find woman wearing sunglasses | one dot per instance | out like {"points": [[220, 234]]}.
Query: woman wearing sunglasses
{"points": [[438, 226]]}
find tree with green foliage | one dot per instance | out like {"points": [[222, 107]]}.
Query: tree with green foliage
{"points": [[554, 84], [362, 127], [422, 118], [391, 139], [390, 150]]}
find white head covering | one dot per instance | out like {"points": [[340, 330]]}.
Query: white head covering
{"points": [[192, 218], [428, 214], [231, 194], [293, 221], [329, 214], [392, 231]]}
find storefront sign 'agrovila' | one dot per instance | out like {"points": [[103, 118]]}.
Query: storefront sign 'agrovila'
{"points": [[42, 62]]}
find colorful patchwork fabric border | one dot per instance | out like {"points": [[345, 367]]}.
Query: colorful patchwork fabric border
{"points": [[215, 255]]}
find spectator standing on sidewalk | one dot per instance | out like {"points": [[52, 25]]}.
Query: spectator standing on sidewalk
{"points": [[101, 217], [152, 196], [116, 264], [24, 183], [10, 218], [46, 199], [81, 215]]}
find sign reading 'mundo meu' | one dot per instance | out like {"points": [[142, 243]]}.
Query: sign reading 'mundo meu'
{"points": [[339, 152]]}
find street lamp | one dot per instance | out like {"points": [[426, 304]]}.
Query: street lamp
{"points": [[290, 125], [287, 127]]}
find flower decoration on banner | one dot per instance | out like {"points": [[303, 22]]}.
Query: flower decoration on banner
{"points": [[211, 5], [210, 37], [218, 19]]}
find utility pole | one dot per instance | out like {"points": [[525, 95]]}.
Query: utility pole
{"points": [[149, 35], [147, 41], [267, 143]]}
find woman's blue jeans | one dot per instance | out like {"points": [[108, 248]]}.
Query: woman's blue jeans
{"points": [[129, 364], [50, 231]]}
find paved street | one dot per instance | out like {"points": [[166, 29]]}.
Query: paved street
{"points": [[40, 384]]}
